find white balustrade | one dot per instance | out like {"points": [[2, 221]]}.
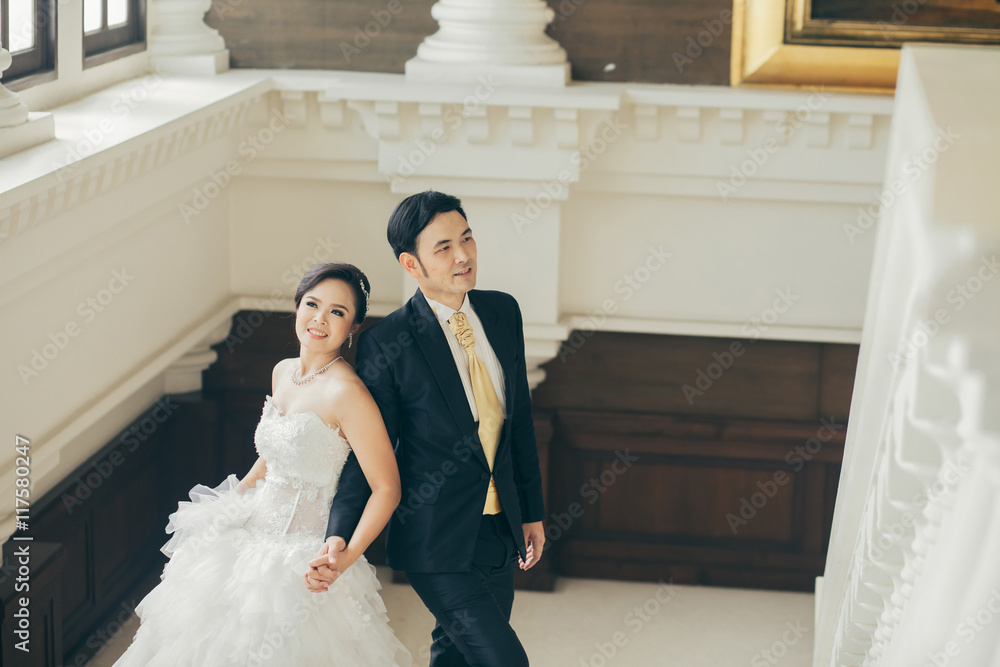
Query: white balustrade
{"points": [[913, 571]]}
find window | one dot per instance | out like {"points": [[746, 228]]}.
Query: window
{"points": [[28, 31], [112, 28]]}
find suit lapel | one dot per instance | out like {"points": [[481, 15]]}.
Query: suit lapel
{"points": [[436, 350]]}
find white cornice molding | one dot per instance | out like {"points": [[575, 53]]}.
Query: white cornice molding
{"points": [[71, 179], [531, 134]]}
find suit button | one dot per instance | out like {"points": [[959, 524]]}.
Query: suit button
{"points": [[485, 476]]}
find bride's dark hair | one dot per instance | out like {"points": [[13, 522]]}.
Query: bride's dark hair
{"points": [[348, 273]]}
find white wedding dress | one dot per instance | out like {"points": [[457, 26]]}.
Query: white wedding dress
{"points": [[233, 593]]}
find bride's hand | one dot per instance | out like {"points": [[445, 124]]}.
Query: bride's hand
{"points": [[332, 561]]}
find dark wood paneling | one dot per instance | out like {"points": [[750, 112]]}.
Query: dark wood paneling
{"points": [[648, 373], [109, 515], [654, 41], [43, 642], [839, 364], [651, 41], [734, 489]]}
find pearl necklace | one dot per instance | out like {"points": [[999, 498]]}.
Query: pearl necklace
{"points": [[311, 375]]}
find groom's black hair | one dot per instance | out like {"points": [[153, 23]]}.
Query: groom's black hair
{"points": [[413, 214]]}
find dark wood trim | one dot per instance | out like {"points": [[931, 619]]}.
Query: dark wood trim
{"points": [[37, 64], [113, 54], [119, 41]]}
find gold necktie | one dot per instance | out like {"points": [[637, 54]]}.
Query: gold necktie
{"points": [[487, 403]]}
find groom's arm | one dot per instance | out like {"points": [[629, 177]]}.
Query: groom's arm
{"points": [[524, 448], [354, 491]]}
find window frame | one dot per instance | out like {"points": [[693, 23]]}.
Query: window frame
{"points": [[37, 64], [107, 44]]}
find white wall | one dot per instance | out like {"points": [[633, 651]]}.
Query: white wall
{"points": [[214, 191]]}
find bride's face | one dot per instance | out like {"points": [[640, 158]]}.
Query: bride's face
{"points": [[326, 316]]}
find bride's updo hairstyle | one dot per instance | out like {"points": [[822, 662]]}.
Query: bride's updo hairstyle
{"points": [[348, 273]]}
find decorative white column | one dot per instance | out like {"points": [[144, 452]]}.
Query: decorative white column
{"points": [[19, 129], [503, 38], [181, 43]]}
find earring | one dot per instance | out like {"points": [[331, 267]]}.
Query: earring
{"points": [[350, 339]]}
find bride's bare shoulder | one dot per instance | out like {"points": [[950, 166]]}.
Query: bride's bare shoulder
{"points": [[281, 368]]}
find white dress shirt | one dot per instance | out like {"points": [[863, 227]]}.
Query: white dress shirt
{"points": [[483, 350]]}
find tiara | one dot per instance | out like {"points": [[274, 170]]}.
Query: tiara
{"points": [[361, 284]]}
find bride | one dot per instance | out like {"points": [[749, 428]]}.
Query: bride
{"points": [[233, 592]]}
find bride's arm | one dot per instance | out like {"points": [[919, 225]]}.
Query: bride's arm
{"points": [[361, 424]]}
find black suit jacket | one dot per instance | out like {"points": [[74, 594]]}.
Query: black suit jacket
{"points": [[408, 367]]}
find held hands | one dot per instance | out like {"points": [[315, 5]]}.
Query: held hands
{"points": [[534, 540], [331, 562]]}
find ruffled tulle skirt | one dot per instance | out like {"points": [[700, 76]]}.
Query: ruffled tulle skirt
{"points": [[234, 596]]}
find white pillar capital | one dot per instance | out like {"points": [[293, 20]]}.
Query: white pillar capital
{"points": [[181, 43], [505, 38]]}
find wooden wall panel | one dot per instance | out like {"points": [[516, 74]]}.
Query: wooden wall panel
{"points": [[652, 41], [734, 489], [109, 516], [647, 373]]}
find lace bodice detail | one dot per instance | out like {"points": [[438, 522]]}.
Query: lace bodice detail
{"points": [[304, 458]]}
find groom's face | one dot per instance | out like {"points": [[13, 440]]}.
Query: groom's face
{"points": [[445, 264]]}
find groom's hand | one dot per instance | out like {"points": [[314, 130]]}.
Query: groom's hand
{"points": [[329, 564], [534, 540]]}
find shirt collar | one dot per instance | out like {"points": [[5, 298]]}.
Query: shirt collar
{"points": [[443, 312]]}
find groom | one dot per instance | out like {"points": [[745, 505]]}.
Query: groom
{"points": [[448, 373]]}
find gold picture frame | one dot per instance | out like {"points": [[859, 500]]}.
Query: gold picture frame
{"points": [[760, 56], [776, 43]]}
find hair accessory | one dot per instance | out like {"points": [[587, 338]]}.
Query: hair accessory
{"points": [[361, 283]]}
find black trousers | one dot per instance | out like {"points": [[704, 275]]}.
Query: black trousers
{"points": [[472, 609]]}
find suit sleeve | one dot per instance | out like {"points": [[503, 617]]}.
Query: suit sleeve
{"points": [[527, 472], [353, 491]]}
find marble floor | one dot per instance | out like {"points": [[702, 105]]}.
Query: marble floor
{"points": [[597, 623]]}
